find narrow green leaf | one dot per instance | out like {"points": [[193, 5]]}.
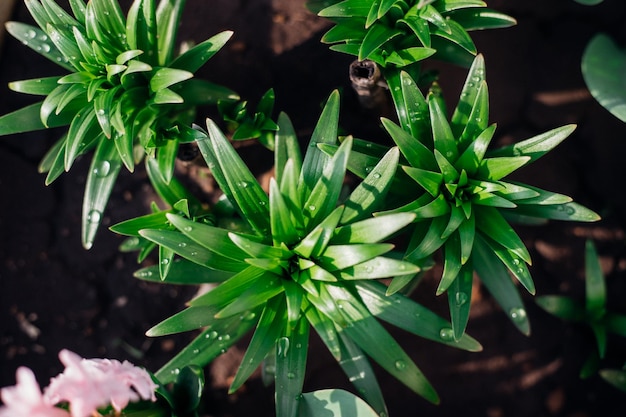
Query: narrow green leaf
{"points": [[416, 153], [377, 268], [269, 328], [193, 59], [595, 288], [325, 193], [283, 228], [371, 230], [442, 134], [254, 296], [368, 195], [497, 168], [212, 238], [291, 355], [337, 257], [82, 129], [481, 18], [104, 169], [183, 272], [377, 35], [237, 182], [408, 315], [209, 344], [360, 373], [494, 275], [232, 288], [456, 34], [562, 307], [537, 146], [459, 301], [365, 329], [451, 263], [313, 244], [37, 86], [287, 147], [568, 211], [256, 249], [168, 15], [190, 250], [325, 132], [490, 222], [430, 181], [166, 77], [191, 318]]}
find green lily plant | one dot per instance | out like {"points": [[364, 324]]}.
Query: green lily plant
{"points": [[456, 187], [398, 33], [593, 314], [127, 94], [310, 257]]}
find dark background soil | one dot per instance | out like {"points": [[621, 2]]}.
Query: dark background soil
{"points": [[55, 295]]}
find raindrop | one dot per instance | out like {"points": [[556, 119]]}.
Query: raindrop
{"points": [[400, 365], [94, 216], [368, 169], [313, 144], [291, 375], [213, 334], [25, 42], [377, 175], [312, 207], [175, 371], [516, 261], [470, 84], [194, 253], [187, 229], [262, 203], [196, 351], [460, 298], [182, 244], [446, 334], [100, 112], [283, 346], [31, 34], [44, 38], [165, 261], [102, 169], [243, 184], [518, 314]]}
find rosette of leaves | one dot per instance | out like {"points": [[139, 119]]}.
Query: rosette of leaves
{"points": [[458, 190], [126, 94], [397, 33], [309, 260], [593, 314]]}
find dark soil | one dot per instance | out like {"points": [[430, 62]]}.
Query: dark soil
{"points": [[55, 295]]}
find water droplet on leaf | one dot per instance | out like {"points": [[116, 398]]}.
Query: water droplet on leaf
{"points": [[446, 334]]}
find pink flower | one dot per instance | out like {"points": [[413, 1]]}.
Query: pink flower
{"points": [[25, 399], [89, 384]]}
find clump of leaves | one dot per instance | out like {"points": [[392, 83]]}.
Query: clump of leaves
{"points": [[397, 33], [593, 313], [126, 94], [247, 124], [457, 189], [308, 260]]}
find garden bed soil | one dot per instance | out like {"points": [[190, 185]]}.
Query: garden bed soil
{"points": [[55, 295]]}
